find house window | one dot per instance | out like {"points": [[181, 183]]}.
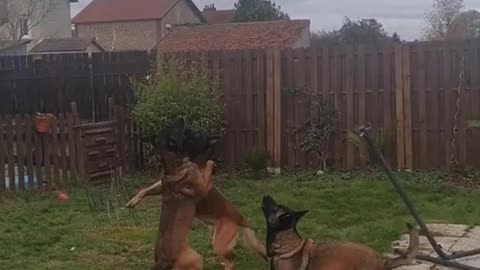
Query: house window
{"points": [[23, 27]]}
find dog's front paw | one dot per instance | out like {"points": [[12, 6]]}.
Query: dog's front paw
{"points": [[133, 202], [211, 163]]}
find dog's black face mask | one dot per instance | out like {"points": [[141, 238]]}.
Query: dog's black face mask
{"points": [[197, 143], [184, 141], [279, 217]]}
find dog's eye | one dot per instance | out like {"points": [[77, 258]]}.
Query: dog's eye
{"points": [[286, 216]]}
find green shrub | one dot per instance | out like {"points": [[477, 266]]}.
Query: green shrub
{"points": [[254, 164], [179, 91], [320, 130]]}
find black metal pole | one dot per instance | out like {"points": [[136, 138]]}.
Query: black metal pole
{"points": [[364, 133]]}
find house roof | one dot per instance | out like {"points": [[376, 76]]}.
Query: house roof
{"points": [[101, 11], [7, 44], [64, 45], [213, 16], [233, 36]]}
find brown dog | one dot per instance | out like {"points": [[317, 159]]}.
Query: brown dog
{"points": [[223, 218], [288, 251], [180, 195]]}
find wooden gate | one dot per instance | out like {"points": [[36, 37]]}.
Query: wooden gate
{"points": [[100, 150]]}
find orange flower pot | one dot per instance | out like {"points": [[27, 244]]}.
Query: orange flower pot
{"points": [[42, 125]]}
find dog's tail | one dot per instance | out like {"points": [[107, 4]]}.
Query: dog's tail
{"points": [[409, 255], [252, 242]]}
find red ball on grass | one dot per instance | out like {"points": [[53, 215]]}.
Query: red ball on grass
{"points": [[62, 197]]}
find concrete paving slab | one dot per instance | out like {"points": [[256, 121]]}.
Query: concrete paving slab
{"points": [[452, 237]]}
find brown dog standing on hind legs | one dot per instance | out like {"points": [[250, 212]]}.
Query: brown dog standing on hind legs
{"points": [[184, 184], [223, 219], [181, 193], [288, 251]]}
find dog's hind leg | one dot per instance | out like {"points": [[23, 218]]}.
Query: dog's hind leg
{"points": [[224, 238], [189, 259], [162, 265]]}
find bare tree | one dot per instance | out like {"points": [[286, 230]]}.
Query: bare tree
{"points": [[441, 17], [465, 26], [24, 15]]}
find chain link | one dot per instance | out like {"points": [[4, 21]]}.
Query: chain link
{"points": [[453, 143]]}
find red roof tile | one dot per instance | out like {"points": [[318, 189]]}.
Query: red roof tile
{"points": [[233, 36], [127, 10], [213, 16]]}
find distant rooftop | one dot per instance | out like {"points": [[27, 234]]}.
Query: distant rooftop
{"points": [[233, 36]]}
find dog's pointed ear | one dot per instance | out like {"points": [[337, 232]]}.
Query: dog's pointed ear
{"points": [[300, 214]]}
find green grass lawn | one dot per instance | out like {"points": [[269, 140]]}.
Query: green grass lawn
{"points": [[37, 232]]}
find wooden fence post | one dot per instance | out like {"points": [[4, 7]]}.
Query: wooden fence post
{"points": [[403, 107], [407, 107], [274, 108], [75, 143]]}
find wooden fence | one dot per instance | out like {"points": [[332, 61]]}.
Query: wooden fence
{"points": [[35, 160], [48, 83], [71, 149], [407, 91]]}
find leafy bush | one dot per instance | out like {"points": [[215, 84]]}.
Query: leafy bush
{"points": [[179, 91], [254, 164], [320, 130]]}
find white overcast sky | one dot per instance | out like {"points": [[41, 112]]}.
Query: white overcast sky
{"points": [[402, 16]]}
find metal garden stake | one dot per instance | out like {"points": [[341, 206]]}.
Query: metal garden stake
{"points": [[443, 258]]}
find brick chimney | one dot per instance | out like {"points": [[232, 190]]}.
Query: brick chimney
{"points": [[210, 7]]}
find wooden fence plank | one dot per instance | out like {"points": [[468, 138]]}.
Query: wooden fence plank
{"points": [[229, 110], [37, 141], [448, 97], [277, 107], [422, 107], [337, 88], [436, 152], [362, 96], [10, 153], [299, 105], [29, 151], [47, 159], [269, 104], [350, 104], [2, 154], [259, 81], [249, 123], [20, 152], [62, 126], [474, 146], [55, 155], [71, 146], [408, 106], [462, 55], [388, 108], [315, 91], [290, 109], [399, 81], [239, 140]]}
